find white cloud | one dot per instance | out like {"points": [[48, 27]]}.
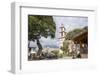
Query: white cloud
{"points": [[48, 42]]}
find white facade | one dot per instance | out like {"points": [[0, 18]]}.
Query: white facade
{"points": [[62, 35]]}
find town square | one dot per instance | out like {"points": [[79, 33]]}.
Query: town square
{"points": [[57, 37]]}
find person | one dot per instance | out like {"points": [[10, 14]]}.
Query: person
{"points": [[78, 51], [78, 54], [73, 50]]}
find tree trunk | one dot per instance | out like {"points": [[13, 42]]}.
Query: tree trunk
{"points": [[39, 47], [29, 49]]}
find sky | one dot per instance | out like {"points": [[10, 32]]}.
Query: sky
{"points": [[69, 23]]}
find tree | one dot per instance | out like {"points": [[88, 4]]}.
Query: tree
{"points": [[65, 46], [40, 26], [74, 32]]}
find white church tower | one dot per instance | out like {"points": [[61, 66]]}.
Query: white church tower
{"points": [[62, 35]]}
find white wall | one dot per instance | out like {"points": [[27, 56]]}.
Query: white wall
{"points": [[5, 32]]}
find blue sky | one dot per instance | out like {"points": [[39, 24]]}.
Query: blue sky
{"points": [[69, 23]]}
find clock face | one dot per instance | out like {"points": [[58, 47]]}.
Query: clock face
{"points": [[57, 37]]}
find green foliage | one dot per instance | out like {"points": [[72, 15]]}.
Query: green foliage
{"points": [[65, 47], [72, 33], [40, 26]]}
